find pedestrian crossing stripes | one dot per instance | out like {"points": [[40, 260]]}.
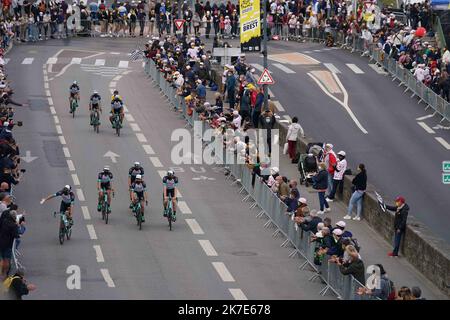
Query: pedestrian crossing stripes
{"points": [[123, 64], [377, 69], [259, 67], [283, 68], [28, 61], [99, 62], [76, 61], [52, 60], [332, 68], [354, 68]]}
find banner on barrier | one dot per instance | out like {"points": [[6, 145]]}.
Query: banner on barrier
{"points": [[250, 25]]}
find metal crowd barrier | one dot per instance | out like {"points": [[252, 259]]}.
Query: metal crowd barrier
{"points": [[345, 287]]}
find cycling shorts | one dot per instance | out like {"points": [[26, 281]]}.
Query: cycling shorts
{"points": [[63, 207], [170, 192], [72, 94], [106, 186], [118, 111], [139, 195]]}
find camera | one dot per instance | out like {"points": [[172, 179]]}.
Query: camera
{"points": [[19, 123], [20, 218]]}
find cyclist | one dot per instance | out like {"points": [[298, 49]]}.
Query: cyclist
{"points": [[67, 200], [116, 107], [115, 93], [74, 92], [170, 182], [104, 181], [94, 104], [134, 170], [139, 193]]}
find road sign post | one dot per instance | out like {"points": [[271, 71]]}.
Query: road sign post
{"points": [[264, 52], [265, 78]]}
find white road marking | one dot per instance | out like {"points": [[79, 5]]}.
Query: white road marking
{"points": [[27, 61], [377, 69], [259, 67], [148, 149], [123, 64], [56, 119], [112, 84], [75, 61], [114, 53], [307, 52], [135, 127], [91, 232], [182, 205], [86, 214], [156, 163], [75, 179], [354, 68], [109, 281], [46, 85], [237, 294], [195, 227], [125, 109], [52, 110], [6, 60], [287, 117], [223, 272], [208, 248], [98, 253], [66, 152], [143, 64], [52, 60], [62, 140], [50, 101], [283, 68], [332, 68], [278, 106], [426, 117], [316, 50], [58, 129], [47, 92], [270, 93], [80, 195], [162, 173], [129, 117], [70, 165], [99, 62], [426, 127], [444, 143], [141, 137], [45, 77]]}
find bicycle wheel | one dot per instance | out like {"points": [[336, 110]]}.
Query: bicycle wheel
{"points": [[68, 233], [73, 106], [106, 214], [118, 128], [169, 218], [103, 210], [62, 231]]}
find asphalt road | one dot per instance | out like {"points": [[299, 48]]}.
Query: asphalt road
{"points": [[401, 157], [236, 258]]}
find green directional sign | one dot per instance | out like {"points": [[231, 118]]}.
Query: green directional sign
{"points": [[446, 178], [446, 166]]}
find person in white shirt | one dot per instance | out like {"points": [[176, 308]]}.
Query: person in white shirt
{"points": [[292, 136], [237, 119], [341, 166]]}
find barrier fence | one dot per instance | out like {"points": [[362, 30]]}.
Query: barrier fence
{"points": [[260, 195]]}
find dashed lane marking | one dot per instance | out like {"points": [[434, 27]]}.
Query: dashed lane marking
{"points": [[98, 253], [75, 179], [182, 205], [148, 149], [208, 248], [70, 165], [66, 152], [283, 68], [109, 281], [52, 60], [99, 62], [52, 110], [195, 227], [91, 232], [62, 140], [237, 294], [426, 127], [444, 143], [332, 68], [58, 129], [426, 117], [223, 272], [80, 195], [56, 119], [162, 173], [129, 117], [141, 137], [135, 127], [27, 61], [156, 163], [46, 85], [75, 61], [86, 214], [354, 68], [47, 92], [50, 101]]}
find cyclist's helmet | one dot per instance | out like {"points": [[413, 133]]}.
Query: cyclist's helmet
{"points": [[75, 82], [66, 188], [136, 164], [138, 177], [170, 173], [95, 92], [106, 168]]}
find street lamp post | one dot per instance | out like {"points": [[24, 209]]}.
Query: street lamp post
{"points": [[264, 52]]}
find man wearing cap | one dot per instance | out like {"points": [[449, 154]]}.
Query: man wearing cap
{"points": [[338, 175], [401, 210], [341, 225]]}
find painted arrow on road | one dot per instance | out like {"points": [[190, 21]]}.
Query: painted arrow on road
{"points": [[112, 156], [28, 158]]}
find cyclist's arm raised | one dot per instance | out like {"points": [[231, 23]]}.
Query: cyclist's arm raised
{"points": [[49, 197]]}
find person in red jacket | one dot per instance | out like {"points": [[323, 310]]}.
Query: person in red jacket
{"points": [[330, 162]]}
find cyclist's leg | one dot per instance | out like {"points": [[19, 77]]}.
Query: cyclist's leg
{"points": [[100, 197], [108, 191]]}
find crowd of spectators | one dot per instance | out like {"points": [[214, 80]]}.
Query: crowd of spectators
{"points": [[12, 223]]}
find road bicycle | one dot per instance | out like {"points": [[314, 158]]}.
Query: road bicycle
{"points": [[65, 227], [105, 205], [116, 123], [169, 212], [137, 210], [73, 106], [95, 120]]}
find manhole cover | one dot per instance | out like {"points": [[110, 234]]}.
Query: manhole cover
{"points": [[244, 253]]}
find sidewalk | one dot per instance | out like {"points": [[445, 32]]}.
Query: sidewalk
{"points": [[374, 248]]}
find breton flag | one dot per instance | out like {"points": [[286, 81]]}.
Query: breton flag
{"points": [[136, 55]]}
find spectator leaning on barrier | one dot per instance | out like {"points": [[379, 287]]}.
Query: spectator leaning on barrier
{"points": [[386, 289], [320, 184], [359, 184], [310, 222], [8, 232], [354, 267], [401, 210]]}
